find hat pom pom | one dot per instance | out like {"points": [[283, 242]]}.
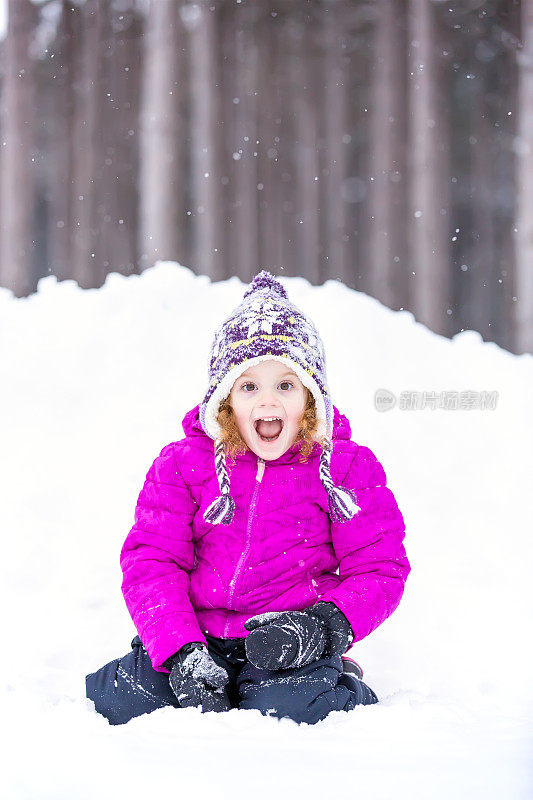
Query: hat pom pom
{"points": [[264, 280], [342, 503], [221, 510]]}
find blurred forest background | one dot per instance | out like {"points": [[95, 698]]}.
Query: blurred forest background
{"points": [[385, 144]]}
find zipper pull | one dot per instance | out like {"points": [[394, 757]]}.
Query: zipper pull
{"points": [[260, 469]]}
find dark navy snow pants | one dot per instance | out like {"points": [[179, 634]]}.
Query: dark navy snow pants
{"points": [[129, 686]]}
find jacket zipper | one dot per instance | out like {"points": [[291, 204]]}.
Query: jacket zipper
{"points": [[251, 513]]}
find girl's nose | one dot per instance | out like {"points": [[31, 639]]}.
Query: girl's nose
{"points": [[268, 398]]}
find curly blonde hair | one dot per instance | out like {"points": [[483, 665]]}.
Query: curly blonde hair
{"points": [[235, 445]]}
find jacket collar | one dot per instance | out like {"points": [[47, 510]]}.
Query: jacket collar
{"points": [[192, 427]]}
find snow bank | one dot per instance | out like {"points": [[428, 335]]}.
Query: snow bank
{"points": [[94, 383]]}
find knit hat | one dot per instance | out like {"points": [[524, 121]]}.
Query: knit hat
{"points": [[266, 325]]}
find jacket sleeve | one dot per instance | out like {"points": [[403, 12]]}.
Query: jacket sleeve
{"points": [[156, 560], [373, 565]]}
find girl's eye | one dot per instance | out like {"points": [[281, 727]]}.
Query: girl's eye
{"points": [[285, 383]]}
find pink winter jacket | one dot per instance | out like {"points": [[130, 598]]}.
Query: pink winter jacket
{"points": [[184, 577]]}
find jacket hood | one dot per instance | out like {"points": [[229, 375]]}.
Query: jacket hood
{"points": [[193, 427]]}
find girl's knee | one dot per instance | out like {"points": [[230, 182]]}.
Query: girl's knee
{"points": [[304, 695], [273, 702], [128, 687], [288, 693], [99, 687]]}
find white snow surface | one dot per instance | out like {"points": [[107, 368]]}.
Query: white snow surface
{"points": [[94, 384]]}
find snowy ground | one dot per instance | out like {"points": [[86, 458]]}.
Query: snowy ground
{"points": [[94, 383]]}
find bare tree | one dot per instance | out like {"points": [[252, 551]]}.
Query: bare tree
{"points": [[241, 79], [162, 131], [334, 46], [88, 268], [524, 183], [274, 240], [429, 200], [306, 108], [120, 140], [17, 179], [484, 265], [207, 211], [388, 186], [60, 141]]}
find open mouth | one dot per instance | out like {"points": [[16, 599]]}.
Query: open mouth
{"points": [[268, 428]]}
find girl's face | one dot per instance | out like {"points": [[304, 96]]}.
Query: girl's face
{"points": [[268, 389]]}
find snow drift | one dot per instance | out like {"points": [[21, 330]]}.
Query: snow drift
{"points": [[94, 383]]}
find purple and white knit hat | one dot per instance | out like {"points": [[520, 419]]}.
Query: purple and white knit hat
{"points": [[266, 325]]}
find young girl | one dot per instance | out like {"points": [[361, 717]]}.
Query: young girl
{"points": [[265, 542]]}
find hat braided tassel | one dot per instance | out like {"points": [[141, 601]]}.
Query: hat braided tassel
{"points": [[342, 502], [222, 509]]}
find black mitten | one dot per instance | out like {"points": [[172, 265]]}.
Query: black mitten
{"points": [[196, 679], [289, 639], [339, 634], [284, 639]]}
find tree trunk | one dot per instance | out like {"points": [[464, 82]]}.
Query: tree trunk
{"points": [[121, 140], [430, 295], [303, 101], [356, 187], [161, 179], [207, 211], [87, 255], [17, 177], [524, 183], [241, 107], [388, 218], [484, 268], [335, 260], [272, 59], [60, 143]]}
